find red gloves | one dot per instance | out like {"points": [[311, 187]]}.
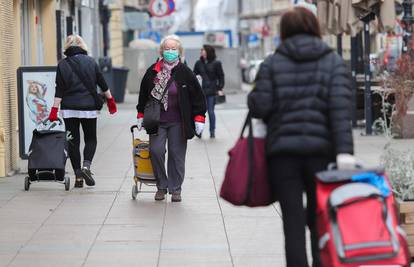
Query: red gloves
{"points": [[53, 115], [200, 118], [110, 102]]}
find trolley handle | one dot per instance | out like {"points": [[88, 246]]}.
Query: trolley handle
{"points": [[132, 130]]}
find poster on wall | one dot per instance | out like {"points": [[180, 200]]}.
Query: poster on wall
{"points": [[36, 91]]}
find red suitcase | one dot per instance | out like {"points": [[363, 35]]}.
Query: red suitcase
{"points": [[357, 225]]}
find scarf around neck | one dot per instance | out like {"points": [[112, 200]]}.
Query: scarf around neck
{"points": [[161, 81]]}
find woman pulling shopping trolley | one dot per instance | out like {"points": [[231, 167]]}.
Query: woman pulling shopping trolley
{"points": [[171, 107], [76, 94]]}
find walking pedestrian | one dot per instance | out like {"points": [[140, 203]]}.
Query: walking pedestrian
{"points": [[303, 93], [183, 108], [212, 80], [76, 79]]}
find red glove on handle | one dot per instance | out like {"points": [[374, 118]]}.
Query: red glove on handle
{"points": [[200, 118], [110, 102], [53, 115]]}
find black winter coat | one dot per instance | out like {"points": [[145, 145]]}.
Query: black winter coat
{"points": [[74, 94], [191, 99], [212, 75], [303, 93]]}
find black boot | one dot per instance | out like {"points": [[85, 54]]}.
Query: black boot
{"points": [[212, 134], [87, 176]]}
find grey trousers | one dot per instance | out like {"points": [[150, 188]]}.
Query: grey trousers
{"points": [[177, 148]]}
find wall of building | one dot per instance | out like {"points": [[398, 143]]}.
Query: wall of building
{"points": [[8, 97]]}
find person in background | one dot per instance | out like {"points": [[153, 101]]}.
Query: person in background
{"points": [[303, 93], [183, 108], [78, 105], [212, 80]]}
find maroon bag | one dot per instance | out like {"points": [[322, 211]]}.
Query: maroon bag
{"points": [[246, 182]]}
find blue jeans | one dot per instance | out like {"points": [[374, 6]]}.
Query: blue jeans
{"points": [[211, 102]]}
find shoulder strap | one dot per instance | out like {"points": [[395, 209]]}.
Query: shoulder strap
{"points": [[83, 80]]}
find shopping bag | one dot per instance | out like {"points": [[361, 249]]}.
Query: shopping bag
{"points": [[246, 181]]}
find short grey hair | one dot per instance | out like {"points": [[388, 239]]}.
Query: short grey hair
{"points": [[171, 37]]}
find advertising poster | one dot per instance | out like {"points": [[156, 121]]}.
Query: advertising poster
{"points": [[36, 91]]}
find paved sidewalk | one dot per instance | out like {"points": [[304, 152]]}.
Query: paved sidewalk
{"points": [[103, 226]]}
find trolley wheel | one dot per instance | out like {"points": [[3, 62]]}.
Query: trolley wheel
{"points": [[134, 192], [67, 183], [26, 183]]}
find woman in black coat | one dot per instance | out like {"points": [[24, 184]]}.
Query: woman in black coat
{"points": [[303, 94], [183, 108], [212, 80], [77, 77]]}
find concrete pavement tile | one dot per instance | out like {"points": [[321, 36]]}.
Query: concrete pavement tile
{"points": [[12, 238], [57, 245], [259, 261], [229, 210], [123, 253], [199, 232], [143, 211], [84, 209], [34, 211], [207, 256], [257, 237], [48, 260], [127, 233], [194, 206]]}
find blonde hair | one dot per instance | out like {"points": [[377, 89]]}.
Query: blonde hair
{"points": [[174, 38], [75, 40]]}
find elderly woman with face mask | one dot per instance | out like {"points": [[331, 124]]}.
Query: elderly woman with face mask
{"points": [[183, 108]]}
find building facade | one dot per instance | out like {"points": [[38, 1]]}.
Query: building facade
{"points": [[259, 26], [32, 34]]}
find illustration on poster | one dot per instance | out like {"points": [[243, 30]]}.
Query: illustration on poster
{"points": [[35, 100]]}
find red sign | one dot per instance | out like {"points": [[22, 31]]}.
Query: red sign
{"points": [[161, 8]]}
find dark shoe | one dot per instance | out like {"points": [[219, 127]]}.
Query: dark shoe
{"points": [[87, 176], [176, 197], [160, 195], [212, 135], [78, 182]]}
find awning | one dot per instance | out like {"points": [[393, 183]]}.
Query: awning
{"points": [[136, 20], [344, 16]]}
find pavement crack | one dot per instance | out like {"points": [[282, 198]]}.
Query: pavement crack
{"points": [[218, 202], [162, 234]]}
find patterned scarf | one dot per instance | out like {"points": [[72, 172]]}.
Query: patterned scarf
{"points": [[161, 81]]}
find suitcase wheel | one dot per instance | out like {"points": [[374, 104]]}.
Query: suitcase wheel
{"points": [[134, 192], [67, 183], [26, 183]]}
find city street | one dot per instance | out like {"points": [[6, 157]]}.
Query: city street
{"points": [[103, 226]]}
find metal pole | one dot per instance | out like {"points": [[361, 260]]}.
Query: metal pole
{"points": [[339, 44], [354, 59], [407, 20], [367, 76]]}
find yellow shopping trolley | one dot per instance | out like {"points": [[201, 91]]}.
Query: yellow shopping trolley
{"points": [[143, 172]]}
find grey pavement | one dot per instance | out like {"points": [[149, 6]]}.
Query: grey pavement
{"points": [[103, 226]]}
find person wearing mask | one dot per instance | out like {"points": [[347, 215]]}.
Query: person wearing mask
{"points": [[212, 79], [182, 115], [303, 94], [76, 79]]}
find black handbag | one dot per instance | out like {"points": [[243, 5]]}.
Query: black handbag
{"points": [[152, 113], [99, 99]]}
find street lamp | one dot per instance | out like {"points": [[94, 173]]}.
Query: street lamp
{"points": [[407, 21]]}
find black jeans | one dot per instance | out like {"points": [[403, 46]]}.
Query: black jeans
{"points": [[290, 176], [89, 132]]}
